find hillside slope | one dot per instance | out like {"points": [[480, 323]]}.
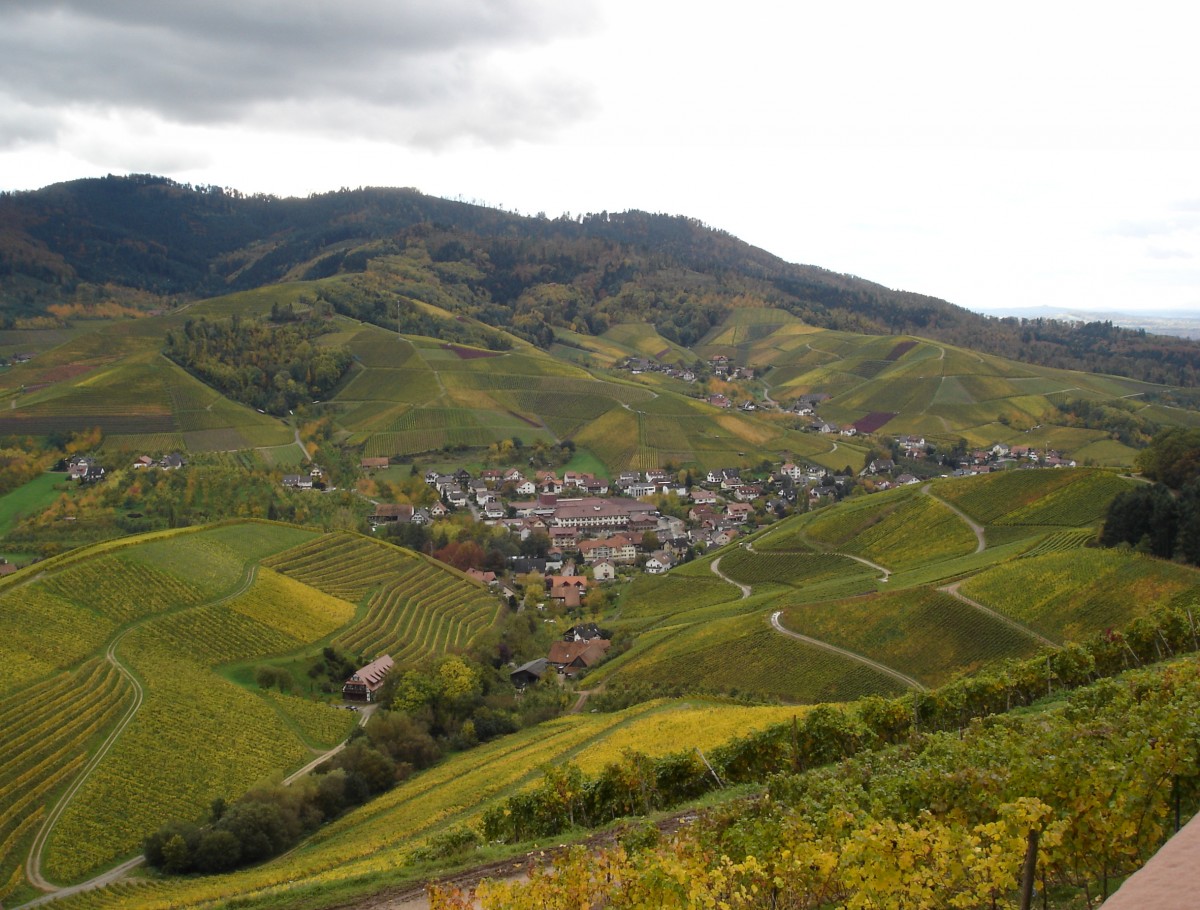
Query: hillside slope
{"points": [[145, 241], [461, 384], [141, 657]]}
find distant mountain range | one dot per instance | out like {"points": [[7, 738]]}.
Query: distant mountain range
{"points": [[1180, 323], [146, 242]]}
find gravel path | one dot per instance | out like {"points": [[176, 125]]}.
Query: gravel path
{"points": [[975, 527], [953, 591], [874, 664], [715, 566]]}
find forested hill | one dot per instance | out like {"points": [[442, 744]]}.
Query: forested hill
{"points": [[142, 242]]}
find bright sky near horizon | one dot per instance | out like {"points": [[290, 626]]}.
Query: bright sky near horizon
{"points": [[1031, 154]]}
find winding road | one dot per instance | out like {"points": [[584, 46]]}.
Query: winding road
{"points": [[715, 566], [859, 658], [952, 590], [975, 527], [866, 562], [816, 642], [33, 863]]}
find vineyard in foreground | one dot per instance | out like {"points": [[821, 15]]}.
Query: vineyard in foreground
{"points": [[946, 816], [881, 795], [172, 609], [698, 634]]}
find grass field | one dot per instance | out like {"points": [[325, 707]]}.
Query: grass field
{"points": [[28, 499]]}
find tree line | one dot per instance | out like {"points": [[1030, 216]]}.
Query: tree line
{"points": [[273, 368], [1162, 519], [526, 275]]}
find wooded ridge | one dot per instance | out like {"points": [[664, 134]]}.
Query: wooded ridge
{"points": [[145, 242]]}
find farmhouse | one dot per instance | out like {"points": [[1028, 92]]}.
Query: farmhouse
{"points": [[373, 464], [85, 470], [387, 512], [659, 562], [577, 655], [584, 632], [528, 674], [365, 682]]}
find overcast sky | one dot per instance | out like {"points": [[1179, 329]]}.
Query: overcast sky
{"points": [[1024, 154]]}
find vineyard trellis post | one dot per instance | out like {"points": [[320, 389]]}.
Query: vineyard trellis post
{"points": [[1029, 870]]}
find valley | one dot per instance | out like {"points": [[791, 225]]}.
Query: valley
{"points": [[843, 545]]}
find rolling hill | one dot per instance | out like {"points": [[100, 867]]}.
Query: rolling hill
{"points": [[410, 394], [878, 596], [467, 327], [143, 242]]}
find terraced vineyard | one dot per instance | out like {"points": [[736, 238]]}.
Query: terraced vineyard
{"points": [[743, 655], [898, 529], [343, 565], [144, 590], [44, 634], [675, 592], [1059, 541], [699, 724], [321, 725], [797, 569], [371, 843], [48, 729], [171, 595], [425, 611], [220, 739], [415, 608]]}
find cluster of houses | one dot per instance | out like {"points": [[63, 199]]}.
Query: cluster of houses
{"points": [[84, 469], [639, 365], [720, 366], [581, 648], [724, 368], [1002, 457], [604, 522]]}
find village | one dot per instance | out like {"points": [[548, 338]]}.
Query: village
{"points": [[580, 533], [597, 532]]}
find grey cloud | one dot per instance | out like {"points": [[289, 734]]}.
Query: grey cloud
{"points": [[21, 124], [415, 71]]}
